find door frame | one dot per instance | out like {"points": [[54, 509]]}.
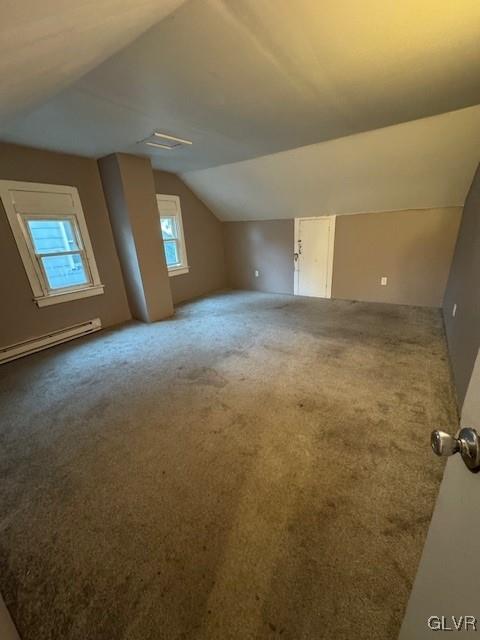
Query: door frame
{"points": [[330, 251]]}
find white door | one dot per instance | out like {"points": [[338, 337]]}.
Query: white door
{"points": [[314, 239], [448, 577]]}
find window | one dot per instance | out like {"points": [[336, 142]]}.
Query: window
{"points": [[49, 228], [57, 249], [172, 233]]}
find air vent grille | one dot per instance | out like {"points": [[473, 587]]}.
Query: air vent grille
{"points": [[164, 141]]}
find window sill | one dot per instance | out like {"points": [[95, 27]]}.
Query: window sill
{"points": [[178, 271], [68, 296]]}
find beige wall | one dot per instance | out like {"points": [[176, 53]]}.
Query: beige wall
{"points": [[20, 318], [203, 239], [463, 289], [263, 245], [412, 248]]}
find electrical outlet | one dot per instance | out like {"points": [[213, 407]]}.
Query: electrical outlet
{"points": [[454, 310], [257, 273], [383, 281]]}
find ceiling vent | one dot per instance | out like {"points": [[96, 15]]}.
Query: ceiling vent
{"points": [[164, 141]]}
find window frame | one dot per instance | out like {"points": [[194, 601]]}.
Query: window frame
{"points": [[183, 267], [43, 294]]}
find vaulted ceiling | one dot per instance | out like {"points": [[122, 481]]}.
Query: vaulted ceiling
{"points": [[46, 46], [421, 164], [241, 79]]}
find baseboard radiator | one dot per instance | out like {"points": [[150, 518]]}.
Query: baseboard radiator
{"points": [[32, 345]]}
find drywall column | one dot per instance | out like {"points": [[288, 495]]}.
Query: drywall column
{"points": [[130, 194], [7, 629]]}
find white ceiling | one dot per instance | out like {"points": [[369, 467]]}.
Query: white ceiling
{"points": [[240, 78], [46, 45], [426, 163]]}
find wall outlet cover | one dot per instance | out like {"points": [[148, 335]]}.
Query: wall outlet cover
{"points": [[256, 273], [383, 281]]}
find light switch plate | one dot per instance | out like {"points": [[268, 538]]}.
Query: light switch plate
{"points": [[256, 273], [454, 310], [383, 281]]}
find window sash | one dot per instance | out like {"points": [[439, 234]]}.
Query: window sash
{"points": [[73, 287], [168, 210], [178, 247], [46, 254], [175, 218], [37, 255]]}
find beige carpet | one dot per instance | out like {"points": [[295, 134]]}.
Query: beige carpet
{"points": [[257, 467]]}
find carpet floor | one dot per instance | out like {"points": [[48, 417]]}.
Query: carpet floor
{"points": [[256, 467]]}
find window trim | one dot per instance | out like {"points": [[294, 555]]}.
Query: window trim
{"points": [[184, 267], [43, 295]]}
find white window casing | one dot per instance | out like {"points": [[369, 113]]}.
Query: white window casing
{"points": [[169, 209], [27, 204]]}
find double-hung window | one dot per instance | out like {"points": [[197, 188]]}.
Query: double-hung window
{"points": [[49, 228], [172, 234]]}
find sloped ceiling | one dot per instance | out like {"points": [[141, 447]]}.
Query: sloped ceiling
{"points": [[420, 164], [240, 78], [46, 45]]}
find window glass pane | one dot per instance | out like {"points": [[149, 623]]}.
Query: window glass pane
{"points": [[172, 255], [52, 236], [65, 271], [169, 228]]}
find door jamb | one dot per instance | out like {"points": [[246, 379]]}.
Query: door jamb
{"points": [[330, 251]]}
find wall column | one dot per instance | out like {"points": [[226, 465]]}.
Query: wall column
{"points": [[130, 194], [7, 628]]}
